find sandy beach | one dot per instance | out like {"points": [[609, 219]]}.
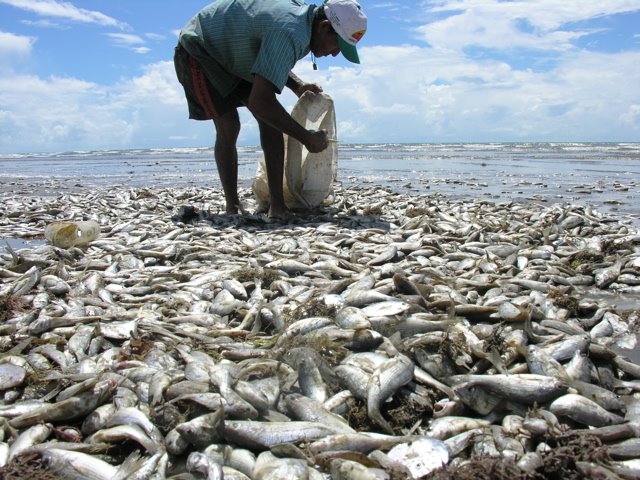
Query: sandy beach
{"points": [[445, 285], [473, 334]]}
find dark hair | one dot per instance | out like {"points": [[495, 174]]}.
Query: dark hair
{"points": [[321, 15]]}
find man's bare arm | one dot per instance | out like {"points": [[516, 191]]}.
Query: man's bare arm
{"points": [[297, 86], [264, 105]]}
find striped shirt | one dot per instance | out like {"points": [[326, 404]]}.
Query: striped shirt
{"points": [[237, 39]]}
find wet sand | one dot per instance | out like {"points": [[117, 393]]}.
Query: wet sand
{"points": [[605, 177]]}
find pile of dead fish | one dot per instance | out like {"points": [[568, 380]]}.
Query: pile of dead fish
{"points": [[385, 336]]}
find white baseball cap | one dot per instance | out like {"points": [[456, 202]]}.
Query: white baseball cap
{"points": [[349, 22]]}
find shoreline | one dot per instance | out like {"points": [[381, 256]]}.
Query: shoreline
{"points": [[603, 176], [617, 201]]}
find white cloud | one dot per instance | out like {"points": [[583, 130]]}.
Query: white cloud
{"points": [[132, 42], [66, 10], [155, 37], [399, 94], [515, 24], [404, 94], [632, 116], [125, 39], [42, 112], [57, 114], [158, 84], [44, 23], [15, 45], [390, 7], [49, 114]]}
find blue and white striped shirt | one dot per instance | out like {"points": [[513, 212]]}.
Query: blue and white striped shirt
{"points": [[237, 39]]}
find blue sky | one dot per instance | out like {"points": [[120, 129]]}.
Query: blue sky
{"points": [[91, 75]]}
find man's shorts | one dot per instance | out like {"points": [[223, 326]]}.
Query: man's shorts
{"points": [[205, 103]]}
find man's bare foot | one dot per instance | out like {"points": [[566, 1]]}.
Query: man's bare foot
{"points": [[234, 208], [279, 213]]}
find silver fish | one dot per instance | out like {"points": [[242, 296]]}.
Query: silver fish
{"points": [[524, 388], [77, 465], [307, 409], [384, 381], [203, 430], [583, 410], [265, 435]]}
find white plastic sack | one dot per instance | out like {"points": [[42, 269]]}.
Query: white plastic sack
{"points": [[308, 177]]}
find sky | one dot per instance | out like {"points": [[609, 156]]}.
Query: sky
{"points": [[96, 75]]}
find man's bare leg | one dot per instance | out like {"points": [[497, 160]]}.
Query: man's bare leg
{"points": [[226, 154], [272, 142]]}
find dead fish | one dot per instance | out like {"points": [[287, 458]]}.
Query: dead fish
{"points": [[270, 467], [345, 469], [509, 312], [565, 349], [386, 308], [236, 288], [302, 327], [307, 409], [355, 379], [211, 339], [625, 450], [540, 363], [11, 376], [134, 416], [362, 442], [311, 382], [292, 267], [119, 330], [447, 427], [69, 409], [29, 437], [386, 256], [203, 430], [264, 435], [126, 432], [603, 397], [606, 276], [205, 465], [98, 418], [583, 410], [55, 285], [352, 318], [25, 283], [364, 297], [523, 388], [385, 380], [77, 465]]}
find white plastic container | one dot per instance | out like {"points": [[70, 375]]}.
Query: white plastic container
{"points": [[72, 234]]}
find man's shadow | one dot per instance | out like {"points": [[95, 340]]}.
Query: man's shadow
{"points": [[256, 222]]}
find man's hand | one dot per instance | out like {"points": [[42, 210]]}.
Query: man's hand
{"points": [[264, 105], [317, 141], [308, 87]]}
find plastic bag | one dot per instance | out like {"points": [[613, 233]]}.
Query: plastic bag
{"points": [[308, 177], [71, 234]]}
